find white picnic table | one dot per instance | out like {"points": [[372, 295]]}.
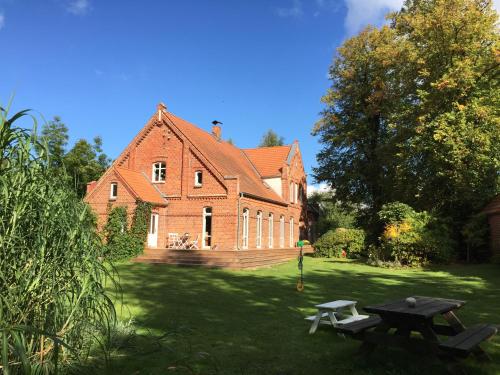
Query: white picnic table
{"points": [[331, 313]]}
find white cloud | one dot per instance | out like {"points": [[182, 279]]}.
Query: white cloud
{"points": [[323, 187], [79, 7], [363, 12], [295, 10], [2, 20]]}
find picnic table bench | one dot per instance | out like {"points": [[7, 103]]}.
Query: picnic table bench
{"points": [[403, 319], [331, 313]]}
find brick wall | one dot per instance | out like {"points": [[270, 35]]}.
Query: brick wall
{"points": [[184, 210]]}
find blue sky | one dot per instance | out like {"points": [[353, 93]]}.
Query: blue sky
{"points": [[104, 65]]}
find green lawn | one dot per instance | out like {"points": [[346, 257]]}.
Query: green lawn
{"points": [[251, 322]]}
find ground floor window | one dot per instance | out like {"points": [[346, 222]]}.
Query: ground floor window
{"points": [[271, 230], [207, 228], [258, 242], [282, 231], [245, 228], [291, 232]]}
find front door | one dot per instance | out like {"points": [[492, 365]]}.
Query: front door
{"points": [[153, 231]]}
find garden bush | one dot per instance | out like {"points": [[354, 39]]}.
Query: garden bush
{"points": [[335, 241], [412, 238]]}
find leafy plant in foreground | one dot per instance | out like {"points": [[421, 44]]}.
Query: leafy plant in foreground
{"points": [[52, 302]]}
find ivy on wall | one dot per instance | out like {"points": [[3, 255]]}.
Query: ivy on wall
{"points": [[122, 241]]}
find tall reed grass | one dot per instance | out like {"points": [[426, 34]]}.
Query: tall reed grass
{"points": [[53, 304]]}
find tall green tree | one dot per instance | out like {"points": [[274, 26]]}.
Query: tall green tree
{"points": [[85, 162], [55, 136], [270, 138], [358, 128], [413, 111], [453, 154]]}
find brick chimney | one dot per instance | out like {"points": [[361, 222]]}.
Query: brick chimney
{"points": [[217, 132], [91, 186]]}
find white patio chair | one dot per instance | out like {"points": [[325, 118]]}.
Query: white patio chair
{"points": [[173, 240], [193, 245]]}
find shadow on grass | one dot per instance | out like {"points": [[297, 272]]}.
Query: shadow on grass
{"points": [[252, 322]]}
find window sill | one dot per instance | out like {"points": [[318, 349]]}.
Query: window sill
{"points": [[158, 182], [198, 186], [112, 199]]}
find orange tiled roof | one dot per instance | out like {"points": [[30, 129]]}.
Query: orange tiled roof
{"points": [[140, 186], [228, 159], [493, 206], [268, 160]]}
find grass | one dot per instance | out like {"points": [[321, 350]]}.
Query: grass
{"points": [[252, 322]]}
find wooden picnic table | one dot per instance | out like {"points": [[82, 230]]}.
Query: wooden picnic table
{"points": [[395, 321], [331, 313]]}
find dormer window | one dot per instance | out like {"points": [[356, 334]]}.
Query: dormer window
{"points": [[198, 178], [159, 171], [113, 191]]}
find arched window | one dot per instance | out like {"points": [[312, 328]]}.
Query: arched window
{"points": [[246, 214], [290, 192], [198, 178], [206, 236], [258, 242], [159, 171], [291, 233], [113, 192], [282, 231], [271, 230]]}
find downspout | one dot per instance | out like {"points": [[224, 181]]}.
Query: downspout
{"points": [[238, 225]]}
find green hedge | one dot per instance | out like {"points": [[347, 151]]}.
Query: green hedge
{"points": [[331, 244]]}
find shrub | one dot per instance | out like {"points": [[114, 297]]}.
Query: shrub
{"points": [[412, 238], [476, 237], [53, 302], [123, 242], [333, 242]]}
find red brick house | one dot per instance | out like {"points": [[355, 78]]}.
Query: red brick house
{"points": [[226, 197]]}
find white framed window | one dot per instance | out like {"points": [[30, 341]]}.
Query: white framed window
{"points": [[159, 171], [246, 214], [282, 231], [290, 192], [258, 242], [113, 190], [198, 178], [296, 192], [291, 232], [271, 231], [206, 240]]}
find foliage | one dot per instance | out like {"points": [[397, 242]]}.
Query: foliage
{"points": [[270, 138], [53, 301], [55, 135], [413, 112], [476, 237], [123, 242], [334, 242], [116, 233], [85, 162], [332, 214], [412, 238]]}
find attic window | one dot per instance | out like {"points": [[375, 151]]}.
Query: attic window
{"points": [[198, 178], [113, 191], [159, 171]]}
